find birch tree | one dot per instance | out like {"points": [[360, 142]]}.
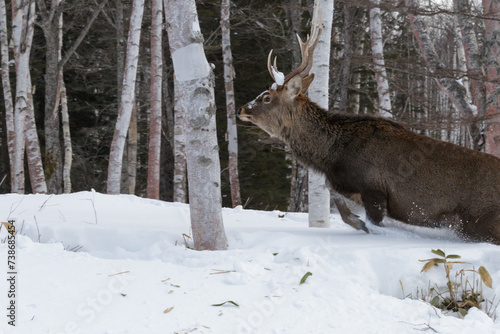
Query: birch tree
{"points": [[180, 167], [232, 134], [492, 47], [451, 87], [127, 99], [194, 81], [49, 21], [33, 153], [319, 195], [132, 136], [153, 190], [298, 175], [384, 97], [23, 17], [473, 55], [7, 90]]}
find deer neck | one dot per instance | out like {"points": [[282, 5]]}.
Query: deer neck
{"points": [[311, 135]]}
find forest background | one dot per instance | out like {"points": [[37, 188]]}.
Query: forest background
{"points": [[268, 176]]}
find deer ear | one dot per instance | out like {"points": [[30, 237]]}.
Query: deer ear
{"points": [[306, 82], [293, 87]]}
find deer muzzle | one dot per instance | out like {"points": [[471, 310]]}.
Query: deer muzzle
{"points": [[244, 115]]}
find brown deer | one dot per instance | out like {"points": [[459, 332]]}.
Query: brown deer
{"points": [[398, 173]]}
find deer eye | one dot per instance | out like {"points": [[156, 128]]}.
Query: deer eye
{"points": [[266, 99]]}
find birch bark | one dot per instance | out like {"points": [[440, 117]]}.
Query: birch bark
{"points": [[319, 195], [153, 190], [384, 97], [7, 91], [194, 81], [451, 87], [492, 46], [132, 150], [472, 56], [232, 134], [33, 153], [23, 18], [127, 99]]}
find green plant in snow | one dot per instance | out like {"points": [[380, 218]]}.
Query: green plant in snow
{"points": [[460, 293]]}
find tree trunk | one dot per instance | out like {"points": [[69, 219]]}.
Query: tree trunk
{"points": [[7, 91], [232, 134], [194, 81], [33, 153], [63, 100], [132, 150], [451, 87], [492, 46], [121, 48], [461, 61], [180, 176], [127, 99], [384, 97], [298, 192], [355, 98], [472, 56], [319, 196], [68, 148], [346, 60], [153, 190], [49, 21], [23, 17]]}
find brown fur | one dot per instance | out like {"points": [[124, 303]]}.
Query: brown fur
{"points": [[412, 178]]}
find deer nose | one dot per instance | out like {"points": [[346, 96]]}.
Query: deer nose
{"points": [[239, 111]]}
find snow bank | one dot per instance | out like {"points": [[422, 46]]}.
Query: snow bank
{"points": [[133, 273]]}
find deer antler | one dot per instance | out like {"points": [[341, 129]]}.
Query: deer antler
{"points": [[273, 69], [306, 50]]}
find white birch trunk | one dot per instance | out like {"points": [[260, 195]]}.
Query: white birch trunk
{"points": [[127, 99], [23, 13], [492, 46], [232, 134], [180, 174], [319, 195], [356, 79], [194, 81], [33, 153], [472, 55], [461, 61], [63, 101], [7, 91], [384, 97], [132, 151], [153, 190], [451, 87], [68, 148]]}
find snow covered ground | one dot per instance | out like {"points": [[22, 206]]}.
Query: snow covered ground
{"points": [[94, 263]]}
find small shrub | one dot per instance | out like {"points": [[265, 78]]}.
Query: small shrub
{"points": [[460, 293]]}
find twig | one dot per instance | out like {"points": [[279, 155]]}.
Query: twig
{"points": [[18, 203], [41, 208], [38, 230], [1, 182], [123, 272], [219, 271]]}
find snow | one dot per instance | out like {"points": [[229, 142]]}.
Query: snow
{"points": [[279, 77], [132, 272], [190, 62], [252, 103]]}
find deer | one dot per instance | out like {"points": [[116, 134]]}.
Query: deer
{"points": [[397, 173]]}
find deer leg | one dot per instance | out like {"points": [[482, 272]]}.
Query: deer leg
{"points": [[348, 217], [375, 206]]}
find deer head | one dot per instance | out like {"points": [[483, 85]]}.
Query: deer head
{"points": [[274, 109]]}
